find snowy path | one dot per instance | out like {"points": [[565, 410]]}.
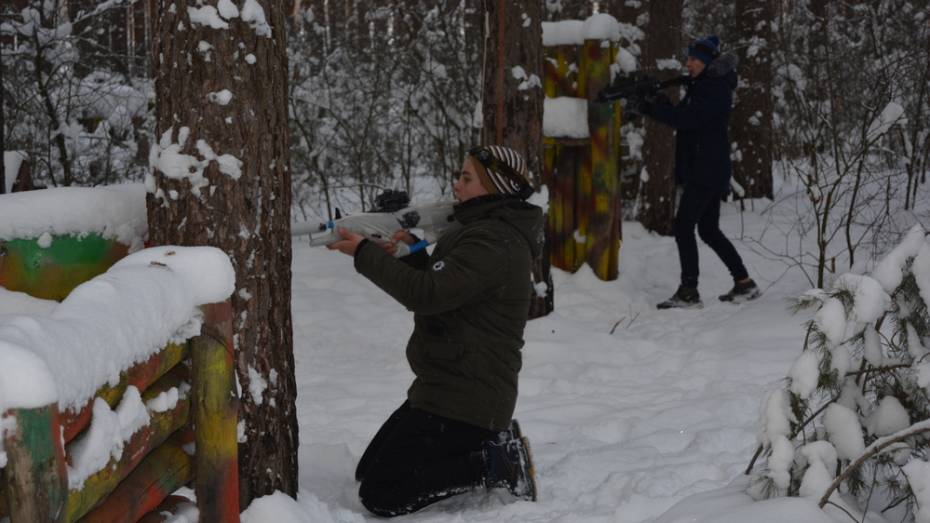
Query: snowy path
{"points": [[622, 426]]}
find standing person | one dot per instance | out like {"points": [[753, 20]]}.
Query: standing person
{"points": [[470, 300], [702, 167]]}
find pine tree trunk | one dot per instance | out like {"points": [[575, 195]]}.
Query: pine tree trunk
{"points": [[336, 23], [242, 208], [657, 211], [751, 123], [513, 115], [3, 174]]}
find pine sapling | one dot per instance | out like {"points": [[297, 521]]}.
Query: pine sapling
{"points": [[851, 425]]}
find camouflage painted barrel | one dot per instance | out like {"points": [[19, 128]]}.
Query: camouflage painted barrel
{"points": [[51, 269]]}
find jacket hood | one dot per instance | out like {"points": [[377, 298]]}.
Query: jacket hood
{"points": [[724, 67], [525, 217]]}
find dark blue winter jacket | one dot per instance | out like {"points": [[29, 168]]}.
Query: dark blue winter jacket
{"points": [[702, 148]]}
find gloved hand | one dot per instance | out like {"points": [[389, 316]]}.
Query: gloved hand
{"points": [[647, 103], [634, 107], [660, 98]]}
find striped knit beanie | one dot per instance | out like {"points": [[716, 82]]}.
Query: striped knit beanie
{"points": [[502, 170]]}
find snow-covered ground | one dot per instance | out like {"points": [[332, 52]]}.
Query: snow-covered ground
{"points": [[634, 414], [623, 425]]}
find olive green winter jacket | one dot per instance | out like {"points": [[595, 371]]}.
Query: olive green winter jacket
{"points": [[470, 301]]}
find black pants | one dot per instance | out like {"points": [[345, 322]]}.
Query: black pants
{"points": [[418, 458], [701, 207]]}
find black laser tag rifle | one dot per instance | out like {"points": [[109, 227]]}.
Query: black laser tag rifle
{"points": [[637, 87]]}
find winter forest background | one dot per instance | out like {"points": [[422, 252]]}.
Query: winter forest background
{"points": [[382, 93], [830, 141]]}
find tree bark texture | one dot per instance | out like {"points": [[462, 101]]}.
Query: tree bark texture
{"points": [[512, 105], [475, 45], [239, 203], [751, 122], [663, 41]]}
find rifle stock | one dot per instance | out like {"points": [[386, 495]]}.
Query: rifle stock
{"points": [[637, 86]]}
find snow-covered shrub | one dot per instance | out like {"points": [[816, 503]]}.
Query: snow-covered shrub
{"points": [[80, 119], [850, 427], [381, 111]]}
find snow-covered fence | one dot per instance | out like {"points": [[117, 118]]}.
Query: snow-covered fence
{"points": [[582, 145], [100, 397], [851, 427], [54, 239]]}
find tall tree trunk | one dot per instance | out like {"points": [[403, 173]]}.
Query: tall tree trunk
{"points": [[357, 25], [751, 123], [336, 23], [3, 174], [663, 41], [476, 44], [234, 193], [513, 98]]}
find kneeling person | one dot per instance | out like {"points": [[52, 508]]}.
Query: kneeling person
{"points": [[470, 300]]}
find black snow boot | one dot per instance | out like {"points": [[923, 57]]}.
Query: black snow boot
{"points": [[512, 432], [684, 298], [745, 291], [509, 464]]}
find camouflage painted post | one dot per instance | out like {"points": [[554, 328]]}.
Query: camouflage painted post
{"points": [[584, 181], [553, 231], [562, 78], [554, 66], [561, 71], [36, 474], [582, 174], [215, 411], [602, 238]]}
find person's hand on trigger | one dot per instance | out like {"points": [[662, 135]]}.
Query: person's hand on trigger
{"points": [[399, 236], [349, 242]]}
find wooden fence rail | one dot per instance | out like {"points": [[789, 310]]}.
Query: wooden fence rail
{"points": [[155, 461]]}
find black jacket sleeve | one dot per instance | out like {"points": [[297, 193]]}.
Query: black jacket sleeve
{"points": [[417, 260], [705, 106], [472, 266]]}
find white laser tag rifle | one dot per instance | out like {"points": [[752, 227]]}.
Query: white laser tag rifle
{"points": [[433, 219]]}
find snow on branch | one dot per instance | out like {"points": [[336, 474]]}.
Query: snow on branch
{"points": [[876, 447], [892, 114]]}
